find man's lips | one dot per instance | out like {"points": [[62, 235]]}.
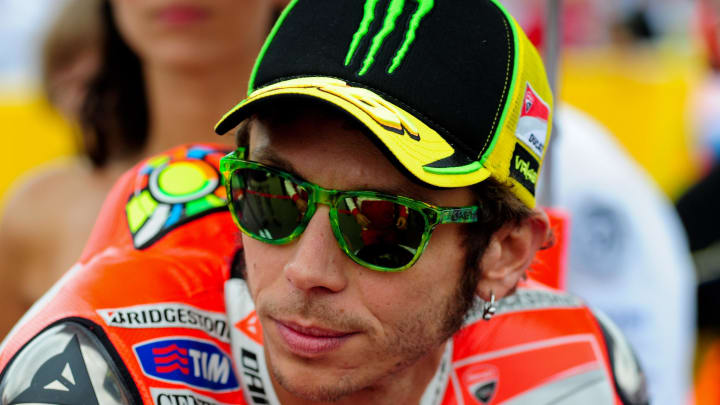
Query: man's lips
{"points": [[310, 341]]}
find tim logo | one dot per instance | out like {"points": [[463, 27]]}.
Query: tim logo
{"points": [[191, 362], [394, 11]]}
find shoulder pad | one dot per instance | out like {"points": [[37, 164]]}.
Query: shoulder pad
{"points": [[163, 202], [630, 381], [66, 364]]}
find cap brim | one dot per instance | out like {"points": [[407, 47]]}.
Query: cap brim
{"points": [[419, 148]]}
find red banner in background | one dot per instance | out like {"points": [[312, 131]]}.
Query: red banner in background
{"points": [[550, 265]]}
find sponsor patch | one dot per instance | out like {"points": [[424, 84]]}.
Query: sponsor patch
{"points": [[196, 363], [247, 349], [544, 372], [166, 396], [253, 381], [250, 326], [524, 168], [168, 315], [481, 381], [532, 125], [390, 22]]}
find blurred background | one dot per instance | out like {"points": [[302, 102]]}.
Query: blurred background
{"points": [[639, 67], [645, 71], [33, 133]]}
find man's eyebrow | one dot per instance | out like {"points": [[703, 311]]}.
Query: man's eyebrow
{"points": [[403, 190], [242, 134], [269, 157]]}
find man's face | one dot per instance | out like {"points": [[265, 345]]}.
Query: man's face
{"points": [[333, 328]]}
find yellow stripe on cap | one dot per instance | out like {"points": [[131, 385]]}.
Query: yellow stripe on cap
{"points": [[413, 143]]}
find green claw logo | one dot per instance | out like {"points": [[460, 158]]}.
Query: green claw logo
{"points": [[394, 11]]}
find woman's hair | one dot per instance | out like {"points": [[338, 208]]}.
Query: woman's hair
{"points": [[74, 33], [114, 116]]}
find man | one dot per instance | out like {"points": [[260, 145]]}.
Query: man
{"points": [[343, 99], [350, 101]]}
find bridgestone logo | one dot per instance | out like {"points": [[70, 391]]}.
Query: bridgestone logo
{"points": [[168, 315]]}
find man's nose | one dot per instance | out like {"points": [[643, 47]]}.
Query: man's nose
{"points": [[318, 263]]}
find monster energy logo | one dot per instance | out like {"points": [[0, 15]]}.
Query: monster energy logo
{"points": [[394, 11]]}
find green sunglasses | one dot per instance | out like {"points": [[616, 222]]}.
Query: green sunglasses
{"points": [[379, 231]]}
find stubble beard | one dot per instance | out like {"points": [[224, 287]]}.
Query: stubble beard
{"points": [[411, 341]]}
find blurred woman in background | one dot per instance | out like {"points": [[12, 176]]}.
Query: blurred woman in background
{"points": [[70, 56], [165, 72]]}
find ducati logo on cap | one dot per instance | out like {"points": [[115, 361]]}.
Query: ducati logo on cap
{"points": [[532, 125]]}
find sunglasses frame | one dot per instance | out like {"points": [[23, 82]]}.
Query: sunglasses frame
{"points": [[432, 215]]}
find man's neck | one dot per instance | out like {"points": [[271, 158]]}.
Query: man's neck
{"points": [[426, 376], [185, 104]]}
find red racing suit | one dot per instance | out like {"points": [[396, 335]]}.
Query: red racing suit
{"points": [[151, 314]]}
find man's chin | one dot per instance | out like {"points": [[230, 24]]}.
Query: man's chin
{"points": [[310, 384]]}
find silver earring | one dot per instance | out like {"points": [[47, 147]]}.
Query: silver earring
{"points": [[489, 308]]}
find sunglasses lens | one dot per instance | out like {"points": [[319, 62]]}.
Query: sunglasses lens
{"points": [[267, 205], [380, 232]]}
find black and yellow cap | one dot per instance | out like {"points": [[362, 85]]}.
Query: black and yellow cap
{"points": [[453, 89]]}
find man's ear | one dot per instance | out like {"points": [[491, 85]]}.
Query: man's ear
{"points": [[509, 254]]}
